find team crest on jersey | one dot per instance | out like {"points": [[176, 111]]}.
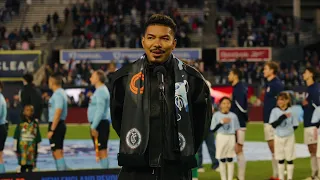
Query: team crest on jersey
{"points": [[182, 142], [268, 89], [133, 138]]}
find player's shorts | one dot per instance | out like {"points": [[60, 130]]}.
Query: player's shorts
{"points": [[310, 135], [268, 132], [103, 130], [241, 135], [285, 148], [56, 142], [3, 136], [225, 146]]}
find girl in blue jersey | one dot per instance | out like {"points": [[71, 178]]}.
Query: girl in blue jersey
{"points": [[284, 123], [226, 124]]}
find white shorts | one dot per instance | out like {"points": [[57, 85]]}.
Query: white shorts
{"points": [[268, 132], [310, 135], [241, 135], [225, 146], [285, 148]]}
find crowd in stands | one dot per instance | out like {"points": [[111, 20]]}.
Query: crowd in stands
{"points": [[290, 72], [120, 23], [258, 25]]}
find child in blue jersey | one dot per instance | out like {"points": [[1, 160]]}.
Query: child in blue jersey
{"points": [[226, 124], [284, 123]]}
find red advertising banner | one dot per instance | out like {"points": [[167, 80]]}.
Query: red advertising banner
{"points": [[250, 54]]}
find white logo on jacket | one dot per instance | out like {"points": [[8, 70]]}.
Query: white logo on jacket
{"points": [[182, 142], [133, 138]]}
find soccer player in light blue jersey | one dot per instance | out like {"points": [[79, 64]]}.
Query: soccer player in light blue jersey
{"points": [[284, 123], [226, 124], [58, 110], [3, 128], [99, 116]]}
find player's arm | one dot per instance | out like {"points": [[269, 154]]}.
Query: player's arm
{"points": [[101, 104], [58, 111], [241, 101], [24, 98], [316, 117], [315, 98], [3, 110], [116, 104]]}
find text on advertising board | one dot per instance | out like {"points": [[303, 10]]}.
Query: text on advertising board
{"points": [[250, 54]]}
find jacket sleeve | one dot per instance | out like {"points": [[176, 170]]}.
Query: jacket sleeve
{"points": [[24, 97], [201, 112], [116, 104]]}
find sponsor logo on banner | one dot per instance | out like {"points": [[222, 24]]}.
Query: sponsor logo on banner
{"points": [[13, 64], [104, 55], [250, 54]]}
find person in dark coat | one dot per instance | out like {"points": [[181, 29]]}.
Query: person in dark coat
{"points": [[159, 140]]}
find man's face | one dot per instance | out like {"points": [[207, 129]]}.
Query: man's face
{"points": [[231, 77], [307, 75], [267, 72], [94, 78], [158, 43]]}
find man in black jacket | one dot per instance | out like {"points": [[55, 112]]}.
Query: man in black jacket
{"points": [[31, 95], [159, 143]]}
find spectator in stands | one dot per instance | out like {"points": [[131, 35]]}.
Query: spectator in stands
{"points": [[55, 18], [49, 19], [36, 28], [66, 14]]}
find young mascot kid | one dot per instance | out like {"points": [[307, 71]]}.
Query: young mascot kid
{"points": [[284, 124], [226, 124], [27, 136]]}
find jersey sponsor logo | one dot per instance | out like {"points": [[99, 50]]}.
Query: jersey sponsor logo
{"points": [[133, 88], [182, 142], [133, 138]]}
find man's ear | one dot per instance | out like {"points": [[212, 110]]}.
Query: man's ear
{"points": [[174, 44]]}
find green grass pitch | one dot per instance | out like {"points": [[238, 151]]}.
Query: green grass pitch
{"points": [[258, 170]]}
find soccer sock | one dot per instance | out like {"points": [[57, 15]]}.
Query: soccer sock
{"points": [[318, 161], [2, 169], [314, 165], [241, 166], [104, 163], [223, 171], [281, 171], [230, 170], [290, 168], [274, 166], [61, 164]]}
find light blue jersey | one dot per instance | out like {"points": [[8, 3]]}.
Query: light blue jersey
{"points": [[229, 128], [58, 100], [3, 110], [286, 128], [99, 106], [316, 117]]}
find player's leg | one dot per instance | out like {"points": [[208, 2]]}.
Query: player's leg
{"points": [[231, 153], [103, 130], [240, 155], [195, 170], [281, 169], [318, 156], [210, 141], [290, 155], [56, 143], [269, 137], [3, 137], [221, 154], [310, 138], [200, 167]]}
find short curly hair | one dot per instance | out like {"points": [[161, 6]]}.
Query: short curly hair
{"points": [[161, 19]]}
